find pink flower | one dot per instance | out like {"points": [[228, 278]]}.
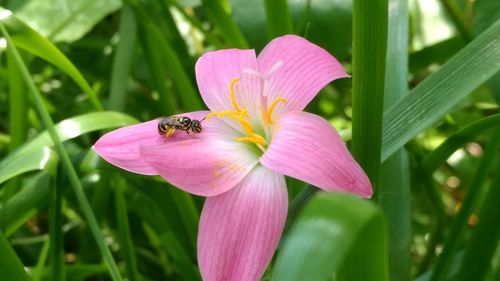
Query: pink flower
{"points": [[255, 133]]}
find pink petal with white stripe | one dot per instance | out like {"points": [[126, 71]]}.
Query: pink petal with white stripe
{"points": [[121, 147], [305, 146], [240, 229], [296, 69]]}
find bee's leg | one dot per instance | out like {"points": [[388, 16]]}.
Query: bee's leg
{"points": [[187, 131], [169, 132]]}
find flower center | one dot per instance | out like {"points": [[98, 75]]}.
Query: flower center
{"points": [[241, 115]]}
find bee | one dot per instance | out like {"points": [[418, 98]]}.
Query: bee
{"points": [[168, 125]]}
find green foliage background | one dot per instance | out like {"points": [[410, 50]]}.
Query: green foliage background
{"points": [[420, 115]]}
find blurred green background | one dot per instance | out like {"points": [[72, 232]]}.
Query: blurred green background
{"points": [[426, 129]]}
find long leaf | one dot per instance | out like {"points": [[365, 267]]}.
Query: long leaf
{"points": [[336, 234], [457, 229], [23, 204], [442, 90], [394, 191], [70, 21], [43, 159], [437, 157], [369, 29], [66, 161], [480, 249], [26, 38], [12, 268]]}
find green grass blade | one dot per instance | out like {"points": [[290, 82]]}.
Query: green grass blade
{"points": [[209, 36], [335, 234], [458, 20], [445, 259], [229, 30], [12, 268], [24, 203], [43, 159], [124, 234], [66, 161], [394, 190], [278, 18], [18, 113], [123, 59], [18, 117], [480, 250], [26, 38], [56, 236], [164, 59], [442, 90], [67, 129], [439, 155], [368, 78], [40, 264]]}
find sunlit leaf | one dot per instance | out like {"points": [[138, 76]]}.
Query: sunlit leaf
{"points": [[65, 20], [26, 38], [437, 94], [336, 235]]}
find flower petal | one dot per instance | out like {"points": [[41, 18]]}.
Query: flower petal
{"points": [[296, 69], [205, 164], [215, 71], [121, 147], [240, 229], [307, 147]]}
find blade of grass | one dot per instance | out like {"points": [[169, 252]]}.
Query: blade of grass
{"points": [[278, 18], [439, 155], [56, 236], [18, 113], [480, 249], [12, 267], [43, 159], [229, 30], [168, 58], [26, 38], [24, 204], [40, 264], [460, 221], [127, 33], [167, 100], [394, 190], [442, 90], [209, 36], [457, 19], [330, 239], [124, 234], [369, 29], [66, 161], [68, 129]]}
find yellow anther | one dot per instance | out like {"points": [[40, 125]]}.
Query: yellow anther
{"points": [[231, 91], [254, 138], [269, 112], [241, 115]]}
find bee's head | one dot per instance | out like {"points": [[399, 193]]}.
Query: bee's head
{"points": [[196, 126]]}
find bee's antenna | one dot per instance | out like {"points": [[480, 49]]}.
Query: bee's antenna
{"points": [[203, 118]]}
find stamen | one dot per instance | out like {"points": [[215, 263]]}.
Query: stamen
{"points": [[240, 116], [258, 139], [267, 115], [231, 91]]}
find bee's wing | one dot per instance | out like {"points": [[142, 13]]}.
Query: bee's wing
{"points": [[173, 121]]}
